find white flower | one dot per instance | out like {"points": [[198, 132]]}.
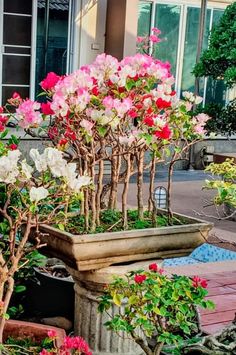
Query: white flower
{"points": [[8, 167], [78, 182], [39, 161], [26, 169], [38, 193], [55, 161]]}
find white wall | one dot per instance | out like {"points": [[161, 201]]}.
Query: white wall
{"points": [[90, 24]]}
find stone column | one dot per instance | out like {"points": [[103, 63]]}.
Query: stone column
{"points": [[89, 324]]}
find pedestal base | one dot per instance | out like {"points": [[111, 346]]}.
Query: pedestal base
{"points": [[89, 324]]}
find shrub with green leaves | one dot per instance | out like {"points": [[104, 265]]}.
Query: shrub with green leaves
{"points": [[219, 60], [225, 187], [154, 309]]}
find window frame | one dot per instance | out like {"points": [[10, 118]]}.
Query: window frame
{"points": [[184, 5]]}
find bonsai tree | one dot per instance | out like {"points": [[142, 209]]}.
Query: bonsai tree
{"points": [[31, 195], [219, 62], [116, 112], [155, 310]]}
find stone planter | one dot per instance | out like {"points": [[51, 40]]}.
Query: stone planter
{"points": [[36, 332], [95, 251]]}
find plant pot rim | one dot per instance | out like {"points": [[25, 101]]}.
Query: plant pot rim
{"points": [[195, 224], [29, 327]]}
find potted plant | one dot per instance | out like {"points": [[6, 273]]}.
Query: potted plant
{"points": [[156, 311], [125, 113], [30, 195]]}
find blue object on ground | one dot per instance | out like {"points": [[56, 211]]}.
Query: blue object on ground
{"points": [[206, 253]]}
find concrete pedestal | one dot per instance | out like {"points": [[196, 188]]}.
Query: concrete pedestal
{"points": [[89, 324]]}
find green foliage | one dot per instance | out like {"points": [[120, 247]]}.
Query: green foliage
{"points": [[163, 308], [111, 221], [225, 187], [219, 60], [223, 117]]}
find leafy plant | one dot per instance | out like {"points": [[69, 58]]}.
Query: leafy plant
{"points": [[219, 60], [225, 187], [154, 309]]}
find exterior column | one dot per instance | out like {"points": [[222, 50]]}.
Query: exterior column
{"points": [[89, 324], [121, 28]]}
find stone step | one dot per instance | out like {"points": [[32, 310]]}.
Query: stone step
{"points": [[221, 157]]}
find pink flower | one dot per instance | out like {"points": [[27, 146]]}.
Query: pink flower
{"points": [[16, 96], [76, 343], [154, 39], [3, 119], [50, 81], [108, 102], [156, 31], [87, 125], [163, 133], [28, 115], [46, 108], [198, 282], [52, 333], [1, 109], [139, 278], [140, 39]]}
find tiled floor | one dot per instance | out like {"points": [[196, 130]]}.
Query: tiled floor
{"points": [[222, 291]]}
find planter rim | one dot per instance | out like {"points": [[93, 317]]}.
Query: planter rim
{"points": [[195, 224]]}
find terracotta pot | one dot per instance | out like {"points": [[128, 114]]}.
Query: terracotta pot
{"points": [[95, 251], [36, 332]]}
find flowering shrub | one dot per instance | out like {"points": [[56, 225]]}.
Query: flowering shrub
{"points": [[31, 195], [71, 345], [115, 111], [154, 309]]}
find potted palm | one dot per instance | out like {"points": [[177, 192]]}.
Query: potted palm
{"points": [[127, 114]]}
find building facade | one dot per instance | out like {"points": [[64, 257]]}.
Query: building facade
{"points": [[38, 36]]}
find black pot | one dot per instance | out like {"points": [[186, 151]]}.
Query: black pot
{"points": [[50, 296]]}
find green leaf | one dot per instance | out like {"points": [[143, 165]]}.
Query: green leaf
{"points": [[117, 298], [61, 226], [19, 288], [102, 131], [132, 299]]}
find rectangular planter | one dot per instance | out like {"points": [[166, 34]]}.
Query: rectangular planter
{"points": [[95, 251]]}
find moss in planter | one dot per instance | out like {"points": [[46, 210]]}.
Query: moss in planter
{"points": [[111, 221]]}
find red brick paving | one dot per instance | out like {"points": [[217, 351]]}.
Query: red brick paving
{"points": [[222, 291]]}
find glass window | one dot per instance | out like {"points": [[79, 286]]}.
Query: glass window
{"points": [[16, 70], [51, 51], [144, 18], [190, 46], [17, 30], [167, 19], [18, 6]]}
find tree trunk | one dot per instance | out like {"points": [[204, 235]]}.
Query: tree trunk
{"points": [[140, 162], [125, 192]]}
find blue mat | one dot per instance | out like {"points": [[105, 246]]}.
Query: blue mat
{"points": [[206, 253]]}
